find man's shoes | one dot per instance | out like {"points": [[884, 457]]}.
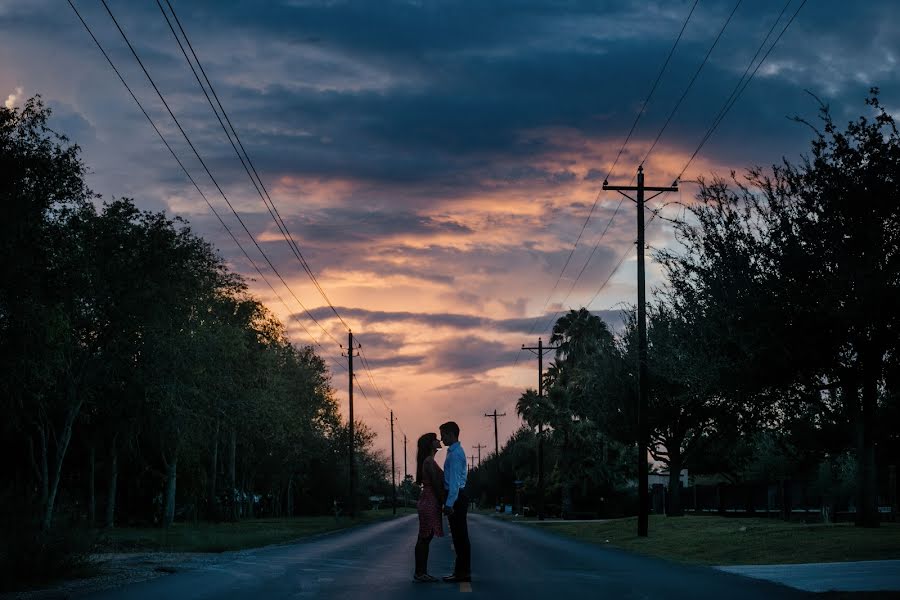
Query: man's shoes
{"points": [[457, 578]]}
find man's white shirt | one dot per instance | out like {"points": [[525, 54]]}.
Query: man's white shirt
{"points": [[455, 469]]}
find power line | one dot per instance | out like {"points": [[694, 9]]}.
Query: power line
{"points": [[583, 267], [366, 396], [270, 205], [738, 90], [732, 99], [208, 172], [375, 386], [615, 162], [691, 83], [273, 210], [187, 173]]}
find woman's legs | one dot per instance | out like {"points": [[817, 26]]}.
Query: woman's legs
{"points": [[422, 544]]}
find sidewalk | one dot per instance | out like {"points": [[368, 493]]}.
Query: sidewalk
{"points": [[861, 576]]}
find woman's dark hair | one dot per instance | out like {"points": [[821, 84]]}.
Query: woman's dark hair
{"points": [[425, 446]]}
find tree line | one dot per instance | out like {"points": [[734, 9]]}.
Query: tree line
{"points": [[140, 381], [773, 346]]}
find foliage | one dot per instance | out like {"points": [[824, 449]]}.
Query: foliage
{"points": [[132, 359]]}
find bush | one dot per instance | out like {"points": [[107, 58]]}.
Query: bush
{"points": [[29, 556], [620, 503]]}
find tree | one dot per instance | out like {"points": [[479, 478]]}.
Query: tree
{"points": [[812, 253], [48, 353]]}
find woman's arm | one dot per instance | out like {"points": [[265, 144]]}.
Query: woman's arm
{"points": [[436, 478]]}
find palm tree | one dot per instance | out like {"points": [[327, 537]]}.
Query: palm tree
{"points": [[533, 409], [580, 334]]}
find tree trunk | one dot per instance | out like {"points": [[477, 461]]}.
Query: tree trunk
{"points": [[867, 484], [787, 501], [169, 506], [566, 507], [213, 471], [289, 507], [62, 446], [248, 487], [232, 491], [43, 468], [113, 484], [674, 508], [92, 497]]}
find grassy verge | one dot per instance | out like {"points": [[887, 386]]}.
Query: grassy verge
{"points": [[220, 537], [714, 540]]}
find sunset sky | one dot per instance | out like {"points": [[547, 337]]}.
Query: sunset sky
{"points": [[436, 161]]}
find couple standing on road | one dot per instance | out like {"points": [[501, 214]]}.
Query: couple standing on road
{"points": [[443, 491]]}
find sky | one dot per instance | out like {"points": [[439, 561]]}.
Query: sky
{"points": [[436, 161]]}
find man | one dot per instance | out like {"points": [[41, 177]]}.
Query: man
{"points": [[457, 502]]}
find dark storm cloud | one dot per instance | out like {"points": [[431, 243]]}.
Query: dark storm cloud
{"points": [[523, 325], [470, 355], [400, 92], [430, 126], [363, 224]]}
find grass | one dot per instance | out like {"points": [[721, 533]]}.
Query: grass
{"points": [[221, 537], [714, 540]]}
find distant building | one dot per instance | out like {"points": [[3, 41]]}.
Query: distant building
{"points": [[662, 478]]}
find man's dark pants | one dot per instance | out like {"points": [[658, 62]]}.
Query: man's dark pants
{"points": [[459, 531]]}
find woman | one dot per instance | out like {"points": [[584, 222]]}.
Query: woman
{"points": [[430, 476]]}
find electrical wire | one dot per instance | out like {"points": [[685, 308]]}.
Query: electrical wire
{"points": [[691, 82], [208, 172], [270, 205], [190, 177], [615, 162]]}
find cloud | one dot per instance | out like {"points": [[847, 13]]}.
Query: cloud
{"points": [[455, 321], [436, 161], [13, 98]]}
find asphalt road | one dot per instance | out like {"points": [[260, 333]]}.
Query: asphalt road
{"points": [[508, 561]]}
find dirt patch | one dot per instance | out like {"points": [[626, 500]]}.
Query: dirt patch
{"points": [[117, 569]]}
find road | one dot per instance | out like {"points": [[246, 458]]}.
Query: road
{"points": [[509, 561]]}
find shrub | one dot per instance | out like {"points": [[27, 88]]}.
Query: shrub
{"points": [[29, 556]]}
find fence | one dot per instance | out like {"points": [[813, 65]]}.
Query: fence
{"points": [[785, 499]]}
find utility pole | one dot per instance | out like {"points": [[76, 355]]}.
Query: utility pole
{"points": [[479, 447], [471, 461], [405, 472], [643, 432], [393, 468], [496, 449], [540, 354], [350, 348]]}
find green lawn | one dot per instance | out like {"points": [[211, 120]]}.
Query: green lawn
{"points": [[219, 537], [714, 540]]}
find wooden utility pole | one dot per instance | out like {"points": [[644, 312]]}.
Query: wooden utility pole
{"points": [[643, 432], [494, 416], [352, 502], [393, 468], [479, 447], [405, 472], [540, 354], [471, 461]]}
